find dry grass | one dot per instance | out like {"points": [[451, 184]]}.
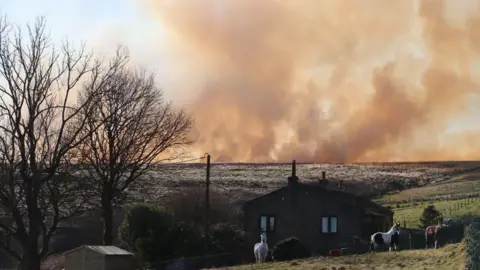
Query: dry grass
{"points": [[245, 181], [450, 257]]}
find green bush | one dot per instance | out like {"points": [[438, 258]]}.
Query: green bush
{"points": [[185, 240], [430, 216], [229, 238], [290, 249], [139, 223], [154, 235]]}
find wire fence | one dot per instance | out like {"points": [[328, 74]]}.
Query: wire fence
{"points": [[449, 209]]}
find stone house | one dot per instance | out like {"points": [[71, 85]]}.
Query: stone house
{"points": [[322, 218]]}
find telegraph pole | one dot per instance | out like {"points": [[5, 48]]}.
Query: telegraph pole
{"points": [[207, 204]]}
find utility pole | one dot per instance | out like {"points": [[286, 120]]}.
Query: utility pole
{"points": [[207, 205]]}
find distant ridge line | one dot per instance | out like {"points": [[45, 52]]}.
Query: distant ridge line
{"points": [[335, 163]]}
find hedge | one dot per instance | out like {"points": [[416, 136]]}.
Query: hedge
{"points": [[472, 246]]}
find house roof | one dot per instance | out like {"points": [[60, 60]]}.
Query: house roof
{"points": [[104, 250], [349, 196]]}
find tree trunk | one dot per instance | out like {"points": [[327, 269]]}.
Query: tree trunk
{"points": [[30, 260], [107, 216]]}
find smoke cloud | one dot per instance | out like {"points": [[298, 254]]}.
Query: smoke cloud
{"points": [[326, 81]]}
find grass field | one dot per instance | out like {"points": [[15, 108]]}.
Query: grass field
{"points": [[411, 211], [450, 257], [461, 184], [411, 215]]}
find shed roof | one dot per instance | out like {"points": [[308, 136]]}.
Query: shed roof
{"points": [[104, 250], [354, 198]]}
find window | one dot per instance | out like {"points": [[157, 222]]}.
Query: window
{"points": [[271, 224], [325, 224], [329, 224], [333, 224], [267, 223]]}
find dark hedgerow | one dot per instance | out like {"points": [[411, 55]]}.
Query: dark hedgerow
{"points": [[472, 246], [290, 249]]}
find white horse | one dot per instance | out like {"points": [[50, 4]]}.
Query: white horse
{"points": [[261, 249], [388, 238]]}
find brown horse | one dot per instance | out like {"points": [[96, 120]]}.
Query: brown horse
{"points": [[431, 235]]}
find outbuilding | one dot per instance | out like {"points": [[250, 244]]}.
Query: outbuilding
{"points": [[99, 258]]}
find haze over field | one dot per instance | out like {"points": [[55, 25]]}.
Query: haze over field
{"points": [[317, 81]]}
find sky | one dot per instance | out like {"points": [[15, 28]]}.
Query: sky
{"points": [[75, 19], [103, 27], [171, 39]]}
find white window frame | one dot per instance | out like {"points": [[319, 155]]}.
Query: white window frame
{"points": [[268, 223], [329, 224]]}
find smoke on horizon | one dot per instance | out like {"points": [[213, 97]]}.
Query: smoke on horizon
{"points": [[327, 81]]}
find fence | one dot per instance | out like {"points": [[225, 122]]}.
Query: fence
{"points": [[448, 211], [411, 238], [433, 198]]}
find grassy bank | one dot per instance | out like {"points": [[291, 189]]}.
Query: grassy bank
{"points": [[450, 257]]}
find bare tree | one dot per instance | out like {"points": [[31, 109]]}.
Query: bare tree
{"points": [[41, 124], [137, 130]]}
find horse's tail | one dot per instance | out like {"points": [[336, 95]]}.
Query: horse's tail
{"points": [[372, 246]]}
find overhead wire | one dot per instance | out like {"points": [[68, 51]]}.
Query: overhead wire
{"points": [[189, 160]]}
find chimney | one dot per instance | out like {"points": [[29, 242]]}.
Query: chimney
{"points": [[323, 181], [292, 179]]}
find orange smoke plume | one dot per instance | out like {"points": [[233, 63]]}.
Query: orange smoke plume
{"points": [[327, 81]]}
